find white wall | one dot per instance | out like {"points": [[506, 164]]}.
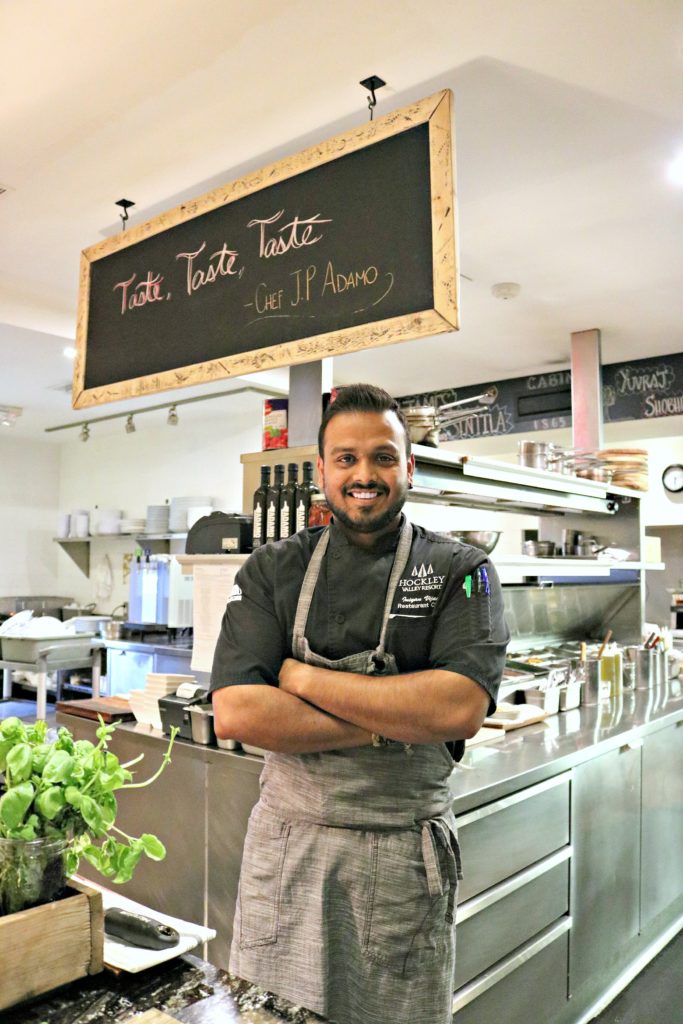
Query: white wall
{"points": [[156, 463], [29, 487]]}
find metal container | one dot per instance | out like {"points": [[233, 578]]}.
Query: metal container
{"points": [[201, 719], [538, 548], [227, 744], [596, 685], [485, 540], [648, 666], [111, 630], [534, 454], [570, 694], [547, 697]]}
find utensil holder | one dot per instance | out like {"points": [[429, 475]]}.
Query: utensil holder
{"points": [[596, 685]]}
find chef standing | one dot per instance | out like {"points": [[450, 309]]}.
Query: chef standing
{"points": [[361, 656]]}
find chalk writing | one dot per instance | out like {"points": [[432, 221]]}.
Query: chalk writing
{"points": [[141, 294], [300, 233], [221, 264]]}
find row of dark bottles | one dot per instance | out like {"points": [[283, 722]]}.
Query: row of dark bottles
{"points": [[281, 509]]}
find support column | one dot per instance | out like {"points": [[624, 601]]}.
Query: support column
{"points": [[586, 389], [307, 384]]}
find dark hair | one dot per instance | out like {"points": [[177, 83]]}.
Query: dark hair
{"points": [[361, 398]]}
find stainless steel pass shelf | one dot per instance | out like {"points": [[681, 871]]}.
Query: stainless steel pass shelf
{"points": [[78, 548], [446, 478]]}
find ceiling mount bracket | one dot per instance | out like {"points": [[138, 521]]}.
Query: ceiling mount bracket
{"points": [[372, 83], [125, 205]]}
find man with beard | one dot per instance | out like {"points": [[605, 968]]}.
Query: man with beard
{"points": [[361, 656]]}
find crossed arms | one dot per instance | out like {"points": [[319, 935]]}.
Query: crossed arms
{"points": [[315, 709]]}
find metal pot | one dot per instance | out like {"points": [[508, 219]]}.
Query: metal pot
{"points": [[425, 421], [485, 540], [112, 630]]}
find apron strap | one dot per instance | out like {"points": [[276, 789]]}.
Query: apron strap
{"points": [[306, 594], [400, 561], [439, 830]]}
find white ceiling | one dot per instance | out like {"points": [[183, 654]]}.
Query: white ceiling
{"points": [[567, 113]]}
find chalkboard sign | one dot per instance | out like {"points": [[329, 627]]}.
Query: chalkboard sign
{"points": [[649, 388], [345, 246]]}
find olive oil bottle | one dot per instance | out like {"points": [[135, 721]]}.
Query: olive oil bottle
{"points": [[288, 502], [304, 492], [273, 504], [260, 504]]}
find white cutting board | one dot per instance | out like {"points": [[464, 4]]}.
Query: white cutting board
{"points": [[134, 958]]}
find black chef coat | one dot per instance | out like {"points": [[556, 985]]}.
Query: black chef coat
{"points": [[433, 625]]}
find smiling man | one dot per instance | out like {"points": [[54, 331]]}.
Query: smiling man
{"points": [[361, 656]]}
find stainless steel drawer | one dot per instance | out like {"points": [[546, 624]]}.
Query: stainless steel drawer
{"points": [[494, 924], [529, 986], [504, 837]]}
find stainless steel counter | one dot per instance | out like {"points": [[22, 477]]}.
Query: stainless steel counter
{"points": [[525, 756]]}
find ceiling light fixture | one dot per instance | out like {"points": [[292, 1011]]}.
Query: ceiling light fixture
{"points": [[9, 415], [69, 352], [130, 426], [256, 389], [85, 432]]}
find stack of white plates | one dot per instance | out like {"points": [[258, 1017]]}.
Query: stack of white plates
{"points": [[179, 508], [157, 519], [145, 703], [133, 525], [108, 521]]}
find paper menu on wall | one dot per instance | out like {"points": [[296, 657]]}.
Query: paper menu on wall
{"points": [[213, 586]]}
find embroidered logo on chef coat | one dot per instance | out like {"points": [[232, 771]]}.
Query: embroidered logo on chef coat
{"points": [[419, 588], [235, 594]]}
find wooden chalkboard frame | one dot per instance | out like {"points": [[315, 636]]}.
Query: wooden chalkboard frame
{"points": [[436, 110]]}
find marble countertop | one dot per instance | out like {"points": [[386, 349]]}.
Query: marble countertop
{"points": [[188, 989]]}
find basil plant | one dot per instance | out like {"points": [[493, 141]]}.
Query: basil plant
{"points": [[66, 790]]}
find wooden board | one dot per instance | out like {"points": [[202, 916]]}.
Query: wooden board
{"points": [[347, 245], [51, 945], [112, 709]]}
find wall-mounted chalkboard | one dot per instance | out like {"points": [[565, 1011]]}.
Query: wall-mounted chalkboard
{"points": [[649, 388], [348, 245]]}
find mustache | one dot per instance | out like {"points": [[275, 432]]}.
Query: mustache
{"points": [[373, 485]]}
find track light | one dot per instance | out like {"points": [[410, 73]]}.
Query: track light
{"points": [[130, 426], [85, 432], [172, 417], [9, 414]]}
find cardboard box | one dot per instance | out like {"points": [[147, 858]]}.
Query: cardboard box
{"points": [[275, 423]]}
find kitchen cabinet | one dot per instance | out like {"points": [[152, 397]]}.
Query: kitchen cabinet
{"points": [[662, 821], [605, 885]]}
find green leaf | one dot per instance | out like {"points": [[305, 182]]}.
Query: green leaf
{"points": [[40, 756], [126, 863], [91, 814], [65, 740], [50, 802], [73, 796], [13, 728], [19, 762], [152, 846], [58, 766], [15, 803]]}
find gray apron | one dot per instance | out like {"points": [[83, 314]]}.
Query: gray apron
{"points": [[350, 869]]}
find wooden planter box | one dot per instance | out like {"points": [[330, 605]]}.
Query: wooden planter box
{"points": [[48, 946]]}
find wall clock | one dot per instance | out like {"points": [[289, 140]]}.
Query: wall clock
{"points": [[672, 478]]}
